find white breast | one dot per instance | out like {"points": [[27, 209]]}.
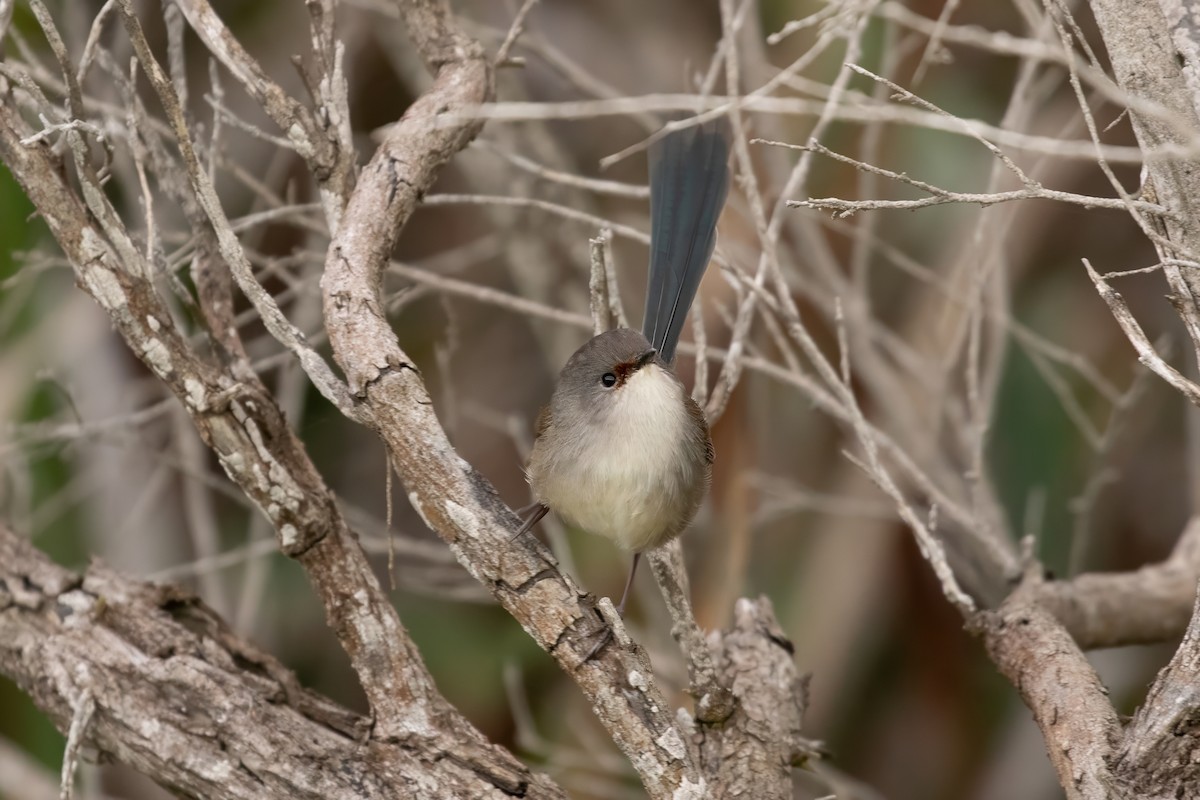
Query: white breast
{"points": [[628, 480]]}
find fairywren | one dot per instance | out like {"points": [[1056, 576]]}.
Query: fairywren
{"points": [[622, 450]]}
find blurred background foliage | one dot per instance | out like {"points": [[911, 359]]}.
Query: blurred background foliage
{"points": [[906, 701]]}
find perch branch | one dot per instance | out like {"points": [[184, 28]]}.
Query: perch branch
{"points": [[453, 499]]}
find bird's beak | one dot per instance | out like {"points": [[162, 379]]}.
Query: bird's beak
{"points": [[645, 358]]}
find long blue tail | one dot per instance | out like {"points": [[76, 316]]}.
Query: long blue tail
{"points": [[689, 178]]}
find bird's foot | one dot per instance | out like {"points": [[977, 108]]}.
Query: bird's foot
{"points": [[613, 619], [603, 637], [538, 511]]}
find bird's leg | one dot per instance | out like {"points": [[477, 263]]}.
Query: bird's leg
{"points": [[628, 585], [525, 509], [606, 633], [539, 512]]}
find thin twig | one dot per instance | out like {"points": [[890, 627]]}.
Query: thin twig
{"points": [[85, 707], [514, 32], [1137, 337]]}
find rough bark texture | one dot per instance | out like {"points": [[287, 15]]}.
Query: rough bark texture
{"points": [[1152, 47], [1183, 22], [1160, 757], [238, 418], [259, 452], [1068, 702], [1148, 67], [179, 698], [754, 659]]}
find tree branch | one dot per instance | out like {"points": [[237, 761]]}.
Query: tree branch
{"points": [[714, 702], [180, 699], [1110, 609], [292, 117], [242, 423], [1160, 757], [756, 748], [1068, 702], [453, 499], [1144, 62]]}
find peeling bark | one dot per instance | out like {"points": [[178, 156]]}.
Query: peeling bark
{"points": [[182, 700]]}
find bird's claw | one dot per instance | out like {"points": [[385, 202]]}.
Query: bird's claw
{"points": [[605, 636]]}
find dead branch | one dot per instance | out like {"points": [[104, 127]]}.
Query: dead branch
{"points": [[179, 698], [1068, 702], [1157, 758], [1110, 609], [1146, 66], [242, 423]]}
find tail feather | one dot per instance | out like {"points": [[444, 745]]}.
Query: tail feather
{"points": [[689, 178]]}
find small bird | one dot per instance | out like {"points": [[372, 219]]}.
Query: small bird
{"points": [[622, 450]]}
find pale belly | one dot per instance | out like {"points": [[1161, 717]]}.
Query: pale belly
{"points": [[631, 479], [636, 508]]}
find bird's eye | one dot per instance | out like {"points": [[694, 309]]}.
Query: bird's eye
{"points": [[608, 379]]}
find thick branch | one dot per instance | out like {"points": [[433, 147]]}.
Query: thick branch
{"points": [[182, 700], [1160, 757], [756, 748], [1151, 604], [1068, 702], [1146, 65], [431, 27]]}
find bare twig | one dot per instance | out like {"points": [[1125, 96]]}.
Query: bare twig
{"points": [[1137, 337], [514, 32], [85, 707], [319, 372], [934, 45], [940, 196], [861, 111], [616, 306], [598, 288], [714, 702], [291, 117]]}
